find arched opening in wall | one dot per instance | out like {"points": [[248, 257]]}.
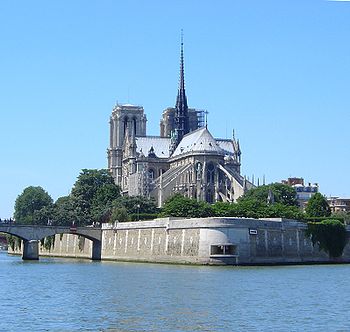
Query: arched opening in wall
{"points": [[151, 174], [210, 173], [134, 125], [209, 196], [11, 242], [125, 182], [140, 167], [222, 178], [198, 171], [125, 124]]}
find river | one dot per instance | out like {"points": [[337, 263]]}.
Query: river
{"points": [[80, 295]]}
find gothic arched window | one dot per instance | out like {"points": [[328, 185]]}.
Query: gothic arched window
{"points": [[198, 171], [125, 124], [210, 173], [134, 125], [209, 196], [151, 173]]}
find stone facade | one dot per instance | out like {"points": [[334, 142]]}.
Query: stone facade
{"points": [[216, 241], [69, 245]]}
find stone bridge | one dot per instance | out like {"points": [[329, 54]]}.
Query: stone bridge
{"points": [[32, 234]]}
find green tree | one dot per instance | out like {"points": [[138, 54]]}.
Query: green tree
{"points": [[253, 208], [279, 210], [138, 204], [180, 206], [282, 193], [102, 202], [33, 206], [223, 209], [92, 194], [119, 214], [329, 235], [317, 206], [64, 213], [342, 216]]}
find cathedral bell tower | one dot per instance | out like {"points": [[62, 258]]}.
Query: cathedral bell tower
{"points": [[125, 120], [181, 107]]}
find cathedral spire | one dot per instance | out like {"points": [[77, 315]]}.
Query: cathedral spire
{"points": [[182, 67], [181, 127]]}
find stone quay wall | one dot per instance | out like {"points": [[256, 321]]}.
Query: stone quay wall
{"points": [[236, 241]]}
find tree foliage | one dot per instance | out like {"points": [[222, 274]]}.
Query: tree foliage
{"points": [[254, 204], [342, 216], [180, 206], [252, 208], [102, 203], [138, 204], [33, 206], [94, 198], [63, 212], [119, 213], [282, 194], [318, 206], [92, 195], [329, 235]]}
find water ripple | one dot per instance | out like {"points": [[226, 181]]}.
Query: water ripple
{"points": [[79, 295]]}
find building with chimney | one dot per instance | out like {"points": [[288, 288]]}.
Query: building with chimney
{"points": [[303, 192], [185, 158]]}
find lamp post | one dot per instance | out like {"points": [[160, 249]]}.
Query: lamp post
{"points": [[138, 211]]}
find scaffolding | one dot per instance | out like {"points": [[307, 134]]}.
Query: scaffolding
{"points": [[201, 117]]}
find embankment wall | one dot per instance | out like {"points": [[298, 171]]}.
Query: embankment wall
{"points": [[200, 241]]}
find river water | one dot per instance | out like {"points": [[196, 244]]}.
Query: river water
{"points": [[80, 295]]}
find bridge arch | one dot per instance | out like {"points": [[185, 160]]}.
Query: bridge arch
{"points": [[12, 234], [32, 234], [14, 244]]}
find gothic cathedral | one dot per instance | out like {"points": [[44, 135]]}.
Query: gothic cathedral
{"points": [[184, 159]]}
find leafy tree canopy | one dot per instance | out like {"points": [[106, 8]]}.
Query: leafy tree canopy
{"points": [[329, 235], [180, 206], [33, 206], [342, 216], [119, 213], [92, 195], [102, 202], [63, 212], [138, 204], [252, 208], [317, 206], [282, 193]]}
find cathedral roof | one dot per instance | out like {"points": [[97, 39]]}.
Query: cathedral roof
{"points": [[199, 140], [160, 145], [226, 145]]}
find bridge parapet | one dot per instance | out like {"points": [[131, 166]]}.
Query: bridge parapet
{"points": [[38, 232]]}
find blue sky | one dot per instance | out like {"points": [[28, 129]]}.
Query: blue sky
{"points": [[278, 72]]}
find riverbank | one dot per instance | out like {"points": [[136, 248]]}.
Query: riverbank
{"points": [[204, 241]]}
